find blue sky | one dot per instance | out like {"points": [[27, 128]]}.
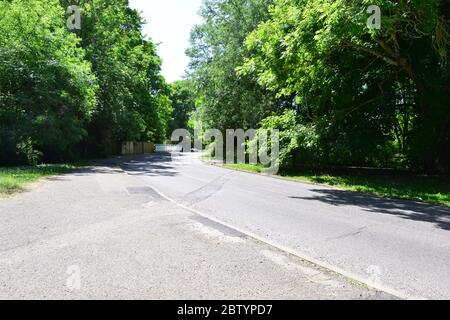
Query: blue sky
{"points": [[169, 23]]}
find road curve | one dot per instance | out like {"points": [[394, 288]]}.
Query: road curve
{"points": [[398, 245], [99, 233]]}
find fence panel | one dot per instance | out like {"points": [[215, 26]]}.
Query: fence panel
{"points": [[131, 148]]}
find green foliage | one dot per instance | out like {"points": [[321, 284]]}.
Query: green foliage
{"points": [[183, 99], [66, 95], [15, 179], [297, 142], [421, 188], [133, 103], [375, 97], [217, 48], [47, 89], [340, 93]]}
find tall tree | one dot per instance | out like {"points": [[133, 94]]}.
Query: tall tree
{"points": [[217, 48], [47, 90], [133, 101], [63, 94], [183, 98], [367, 89]]}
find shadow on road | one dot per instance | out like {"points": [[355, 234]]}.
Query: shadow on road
{"points": [[97, 169], [158, 164], [438, 215]]}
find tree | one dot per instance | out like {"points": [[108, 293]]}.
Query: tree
{"points": [[372, 93], [183, 98], [64, 95], [133, 101], [47, 89], [227, 100]]}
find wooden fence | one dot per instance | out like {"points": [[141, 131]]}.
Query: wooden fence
{"points": [[129, 148]]}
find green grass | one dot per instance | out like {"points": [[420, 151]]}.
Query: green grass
{"points": [[421, 188], [245, 167], [15, 179]]}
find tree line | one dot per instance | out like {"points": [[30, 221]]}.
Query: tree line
{"points": [[66, 95], [341, 93]]}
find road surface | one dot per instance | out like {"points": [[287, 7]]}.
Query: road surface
{"points": [[101, 233], [402, 247], [170, 227]]}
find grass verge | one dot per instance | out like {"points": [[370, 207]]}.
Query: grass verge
{"points": [[14, 179], [421, 188]]}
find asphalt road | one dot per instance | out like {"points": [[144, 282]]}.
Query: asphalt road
{"points": [[106, 233], [398, 246]]}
